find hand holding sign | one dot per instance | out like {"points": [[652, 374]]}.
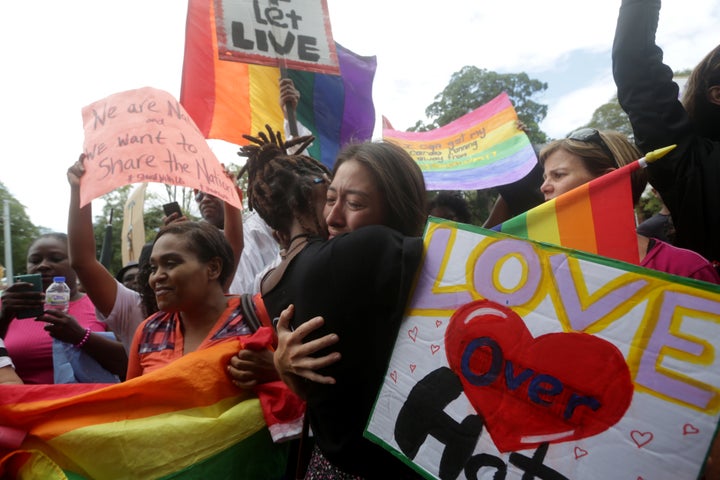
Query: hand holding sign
{"points": [[145, 135]]}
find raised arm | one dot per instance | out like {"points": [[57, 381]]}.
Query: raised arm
{"points": [[646, 90], [99, 283], [234, 229]]}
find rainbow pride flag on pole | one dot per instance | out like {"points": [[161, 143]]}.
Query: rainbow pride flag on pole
{"points": [[596, 217], [227, 99], [184, 421], [479, 150]]}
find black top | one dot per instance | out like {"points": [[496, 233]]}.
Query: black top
{"points": [[687, 178], [658, 226], [359, 282]]}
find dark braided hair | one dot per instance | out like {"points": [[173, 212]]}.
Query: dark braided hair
{"points": [[280, 184]]}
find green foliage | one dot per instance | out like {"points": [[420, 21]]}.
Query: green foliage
{"points": [[108, 224], [479, 203], [22, 231], [472, 87], [611, 116], [649, 205]]}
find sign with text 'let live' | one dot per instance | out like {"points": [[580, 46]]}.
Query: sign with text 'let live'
{"points": [[522, 360], [291, 33]]}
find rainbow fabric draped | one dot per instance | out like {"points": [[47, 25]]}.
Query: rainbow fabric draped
{"points": [[228, 99], [183, 421], [596, 217]]}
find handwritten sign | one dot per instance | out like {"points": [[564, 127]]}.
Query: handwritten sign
{"points": [[295, 33], [481, 149], [517, 358], [145, 135]]}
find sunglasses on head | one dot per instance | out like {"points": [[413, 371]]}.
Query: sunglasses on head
{"points": [[591, 135]]}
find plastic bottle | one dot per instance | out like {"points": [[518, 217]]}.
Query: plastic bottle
{"points": [[57, 295]]}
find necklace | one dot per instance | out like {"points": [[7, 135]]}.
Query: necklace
{"points": [[291, 248]]}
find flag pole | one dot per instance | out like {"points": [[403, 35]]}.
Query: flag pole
{"points": [[655, 154]]}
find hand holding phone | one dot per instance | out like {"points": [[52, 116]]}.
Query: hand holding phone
{"points": [[169, 209], [35, 281]]}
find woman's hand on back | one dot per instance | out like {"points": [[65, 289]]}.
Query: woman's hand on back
{"points": [[293, 358]]}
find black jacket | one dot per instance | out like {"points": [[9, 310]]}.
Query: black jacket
{"points": [[688, 178]]}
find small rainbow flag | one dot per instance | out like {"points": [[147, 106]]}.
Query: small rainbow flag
{"points": [[479, 150], [184, 421], [227, 99], [596, 217]]}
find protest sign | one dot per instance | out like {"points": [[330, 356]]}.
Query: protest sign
{"points": [[519, 358], [230, 99], [479, 150], [293, 33], [145, 135]]}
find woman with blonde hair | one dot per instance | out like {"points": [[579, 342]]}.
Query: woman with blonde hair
{"points": [[587, 154]]}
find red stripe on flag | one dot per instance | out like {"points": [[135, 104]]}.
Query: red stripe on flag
{"points": [[197, 92], [613, 214]]}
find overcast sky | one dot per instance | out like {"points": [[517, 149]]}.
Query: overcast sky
{"points": [[57, 57]]}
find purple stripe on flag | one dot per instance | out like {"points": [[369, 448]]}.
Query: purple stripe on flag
{"points": [[501, 172], [358, 73]]}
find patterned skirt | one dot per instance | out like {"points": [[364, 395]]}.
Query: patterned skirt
{"points": [[320, 468]]}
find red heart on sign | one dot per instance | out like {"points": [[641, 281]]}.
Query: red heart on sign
{"points": [[554, 388]]}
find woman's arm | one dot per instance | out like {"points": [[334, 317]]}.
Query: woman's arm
{"points": [[233, 228], [8, 376], [110, 354], [7, 369], [99, 284], [646, 90]]}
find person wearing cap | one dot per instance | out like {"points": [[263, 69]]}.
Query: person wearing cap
{"points": [[127, 275]]}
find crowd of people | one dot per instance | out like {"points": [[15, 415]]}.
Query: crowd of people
{"points": [[318, 244]]}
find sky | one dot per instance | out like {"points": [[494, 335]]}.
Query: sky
{"points": [[57, 57]]}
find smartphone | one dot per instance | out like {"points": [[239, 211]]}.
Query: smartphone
{"points": [[36, 280], [172, 207]]}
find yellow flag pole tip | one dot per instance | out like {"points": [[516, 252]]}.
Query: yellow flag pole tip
{"points": [[659, 153]]}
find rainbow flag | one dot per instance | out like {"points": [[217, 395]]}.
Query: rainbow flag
{"points": [[228, 99], [479, 150], [184, 421], [596, 217]]}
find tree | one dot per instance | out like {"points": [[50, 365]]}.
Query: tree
{"points": [[114, 206], [22, 231], [611, 116], [472, 87]]}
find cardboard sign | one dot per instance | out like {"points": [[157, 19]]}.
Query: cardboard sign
{"points": [[291, 33], [518, 358], [145, 135]]}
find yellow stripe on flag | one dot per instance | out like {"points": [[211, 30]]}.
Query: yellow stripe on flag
{"points": [[542, 223], [155, 446]]}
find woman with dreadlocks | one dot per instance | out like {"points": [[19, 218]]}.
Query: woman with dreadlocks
{"points": [[358, 282]]}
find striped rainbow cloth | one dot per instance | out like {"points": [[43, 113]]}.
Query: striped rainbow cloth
{"points": [[479, 150], [184, 421], [228, 99], [596, 217]]}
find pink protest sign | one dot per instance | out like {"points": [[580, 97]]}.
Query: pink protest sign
{"points": [[145, 135]]}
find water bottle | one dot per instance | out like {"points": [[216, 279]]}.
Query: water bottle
{"points": [[57, 295]]}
